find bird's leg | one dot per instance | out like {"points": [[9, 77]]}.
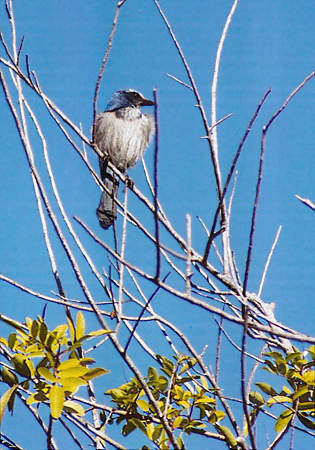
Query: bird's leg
{"points": [[129, 182]]}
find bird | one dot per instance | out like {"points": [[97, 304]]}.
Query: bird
{"points": [[122, 134]]}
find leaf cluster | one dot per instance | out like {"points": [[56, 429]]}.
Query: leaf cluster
{"points": [[48, 364], [296, 400], [186, 403]]}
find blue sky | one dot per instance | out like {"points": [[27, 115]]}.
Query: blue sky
{"points": [[270, 45]]}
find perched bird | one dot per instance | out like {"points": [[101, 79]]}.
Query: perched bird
{"points": [[122, 134]]}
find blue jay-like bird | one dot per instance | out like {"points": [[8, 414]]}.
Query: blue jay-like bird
{"points": [[122, 133]]}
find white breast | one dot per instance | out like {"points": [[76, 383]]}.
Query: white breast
{"points": [[123, 140]]}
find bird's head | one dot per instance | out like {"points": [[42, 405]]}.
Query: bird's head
{"points": [[128, 98]]}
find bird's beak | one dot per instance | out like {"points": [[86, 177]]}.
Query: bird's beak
{"points": [[146, 102]]}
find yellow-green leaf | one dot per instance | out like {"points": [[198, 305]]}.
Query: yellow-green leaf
{"points": [[72, 384], [301, 391], [72, 330], [143, 405], [9, 377], [20, 365], [4, 400], [229, 436], [95, 372], [283, 421], [279, 399], [78, 371], [204, 382], [69, 364], [74, 407], [309, 377], [80, 325], [61, 330], [43, 330], [306, 406], [177, 422], [57, 398], [267, 388], [100, 332], [204, 400], [36, 397], [86, 361], [150, 430], [46, 373]]}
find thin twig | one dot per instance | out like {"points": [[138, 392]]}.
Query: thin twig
{"points": [[188, 263], [156, 185], [268, 261], [260, 175], [104, 62], [232, 169], [243, 380]]}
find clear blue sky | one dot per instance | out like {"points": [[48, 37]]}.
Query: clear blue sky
{"points": [[270, 45]]}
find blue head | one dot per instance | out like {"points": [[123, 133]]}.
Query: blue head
{"points": [[129, 98]]}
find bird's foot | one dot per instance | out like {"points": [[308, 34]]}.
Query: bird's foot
{"points": [[129, 182]]}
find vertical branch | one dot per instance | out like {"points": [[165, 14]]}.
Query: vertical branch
{"points": [[214, 135], [188, 261], [243, 379], [104, 62], [268, 261], [260, 171], [232, 169], [254, 215], [216, 168], [122, 254], [156, 185]]}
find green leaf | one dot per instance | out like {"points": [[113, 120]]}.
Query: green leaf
{"points": [[95, 372], [229, 436], [150, 430], [157, 432], [309, 377], [69, 364], [80, 325], [256, 398], [267, 388], [128, 428], [34, 328], [47, 374], [308, 423], [9, 377], [306, 406], [204, 400], [20, 365], [57, 398], [78, 371], [12, 340], [74, 407], [43, 330], [139, 424], [60, 331], [37, 397], [72, 384], [143, 404], [4, 400], [99, 332], [283, 420], [177, 422], [153, 373], [279, 399], [301, 391], [86, 361], [204, 382]]}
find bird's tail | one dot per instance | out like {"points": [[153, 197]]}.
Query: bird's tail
{"points": [[107, 209]]}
